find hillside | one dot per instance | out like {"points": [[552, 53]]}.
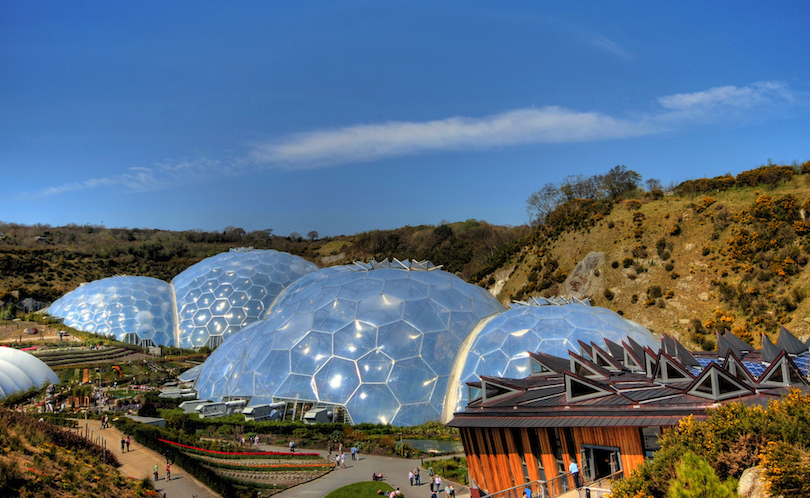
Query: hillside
{"points": [[715, 254], [687, 264], [39, 459], [43, 263]]}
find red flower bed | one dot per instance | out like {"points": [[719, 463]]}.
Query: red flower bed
{"points": [[239, 453]]}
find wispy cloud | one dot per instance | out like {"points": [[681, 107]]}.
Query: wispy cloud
{"points": [[375, 141], [551, 125], [728, 99], [607, 45]]}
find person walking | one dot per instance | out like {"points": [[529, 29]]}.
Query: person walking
{"points": [[417, 478], [573, 468], [128, 444], [343, 460], [410, 476], [155, 470], [169, 471], [354, 451], [123, 443]]}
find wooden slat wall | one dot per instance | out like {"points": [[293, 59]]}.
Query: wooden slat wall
{"points": [[531, 461], [473, 459], [495, 466], [549, 462], [627, 439], [515, 459]]}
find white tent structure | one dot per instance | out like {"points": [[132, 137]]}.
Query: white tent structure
{"points": [[20, 371]]}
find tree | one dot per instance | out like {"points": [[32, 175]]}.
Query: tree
{"points": [[697, 479], [619, 181], [542, 203], [312, 235], [295, 237], [579, 187], [654, 184]]}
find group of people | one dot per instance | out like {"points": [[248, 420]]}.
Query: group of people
{"points": [[449, 492], [413, 476], [393, 494], [125, 444], [168, 471], [105, 421]]}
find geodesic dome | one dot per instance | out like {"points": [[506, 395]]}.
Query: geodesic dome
{"points": [[20, 371], [221, 294], [499, 347], [136, 310], [379, 339]]}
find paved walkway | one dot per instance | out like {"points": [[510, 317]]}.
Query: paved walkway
{"points": [[139, 462], [395, 471]]}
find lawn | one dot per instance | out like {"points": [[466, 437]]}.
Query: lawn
{"points": [[361, 490]]}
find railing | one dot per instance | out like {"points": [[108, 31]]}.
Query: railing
{"points": [[559, 485]]}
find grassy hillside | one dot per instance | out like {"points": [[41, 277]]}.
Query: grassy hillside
{"points": [[686, 264], [43, 262], [38, 459]]}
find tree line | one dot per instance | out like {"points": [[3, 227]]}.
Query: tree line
{"points": [[611, 186]]}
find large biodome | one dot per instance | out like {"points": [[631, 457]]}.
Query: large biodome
{"points": [[378, 339], [203, 304], [136, 310], [20, 371], [499, 347], [221, 294]]}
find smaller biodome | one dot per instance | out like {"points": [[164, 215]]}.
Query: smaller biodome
{"points": [[20, 371], [377, 339], [221, 294], [499, 347], [135, 310]]}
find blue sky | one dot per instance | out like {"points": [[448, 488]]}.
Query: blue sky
{"points": [[343, 117]]}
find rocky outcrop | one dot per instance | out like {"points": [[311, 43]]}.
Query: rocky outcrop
{"points": [[579, 281], [751, 485]]}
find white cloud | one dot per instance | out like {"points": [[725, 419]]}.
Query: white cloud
{"points": [[374, 141], [367, 142], [610, 46], [729, 97]]}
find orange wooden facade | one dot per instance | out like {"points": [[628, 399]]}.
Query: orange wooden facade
{"points": [[496, 456]]}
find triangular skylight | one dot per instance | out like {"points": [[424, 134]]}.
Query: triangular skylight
{"points": [[737, 369], [669, 370], [716, 384], [782, 372], [579, 389], [546, 364], [493, 390], [585, 368], [604, 360]]}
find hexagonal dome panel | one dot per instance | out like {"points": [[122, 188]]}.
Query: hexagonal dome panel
{"points": [[373, 338], [221, 294], [498, 348], [110, 307]]}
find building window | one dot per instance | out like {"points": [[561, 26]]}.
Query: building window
{"points": [[649, 440]]}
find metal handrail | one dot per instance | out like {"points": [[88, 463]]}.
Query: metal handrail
{"points": [[553, 487], [543, 489], [609, 477]]}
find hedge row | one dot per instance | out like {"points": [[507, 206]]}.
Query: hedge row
{"points": [[150, 436]]}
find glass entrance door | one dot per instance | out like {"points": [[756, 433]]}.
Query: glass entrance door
{"points": [[600, 461]]}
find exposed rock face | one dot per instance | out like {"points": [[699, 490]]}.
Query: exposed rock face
{"points": [[579, 281], [750, 485]]}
